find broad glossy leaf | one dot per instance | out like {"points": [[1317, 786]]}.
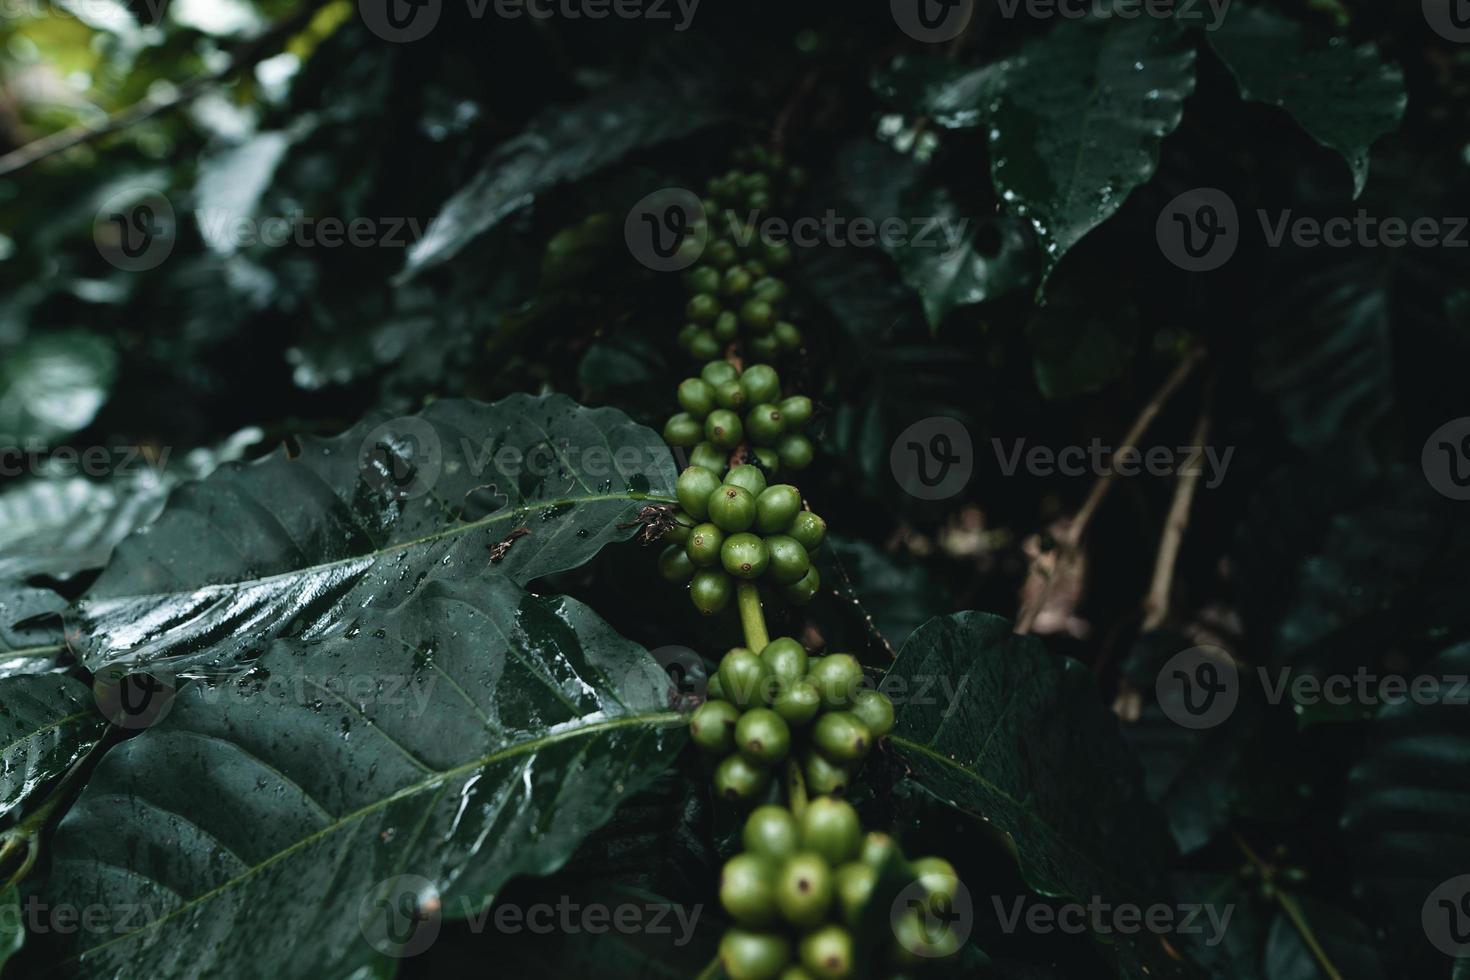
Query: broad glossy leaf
{"points": [[1345, 97], [52, 385], [953, 96], [299, 546], [1082, 115], [995, 727], [468, 735], [958, 260], [47, 722]]}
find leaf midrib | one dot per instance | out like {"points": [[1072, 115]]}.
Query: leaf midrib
{"points": [[665, 719]]}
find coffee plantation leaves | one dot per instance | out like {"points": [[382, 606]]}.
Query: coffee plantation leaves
{"points": [[1080, 120], [299, 544], [451, 742], [995, 727], [1345, 97], [51, 386], [47, 722]]}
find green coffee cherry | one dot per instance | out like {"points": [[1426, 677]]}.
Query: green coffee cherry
{"points": [[802, 591], [706, 455], [735, 282], [842, 737], [683, 430], [755, 267], [918, 942], [830, 827], [940, 881], [748, 889], [805, 527], [761, 383], [746, 955], [739, 780], [749, 477], [789, 560], [702, 279], [853, 885], [674, 565], [795, 451], [786, 659], [703, 345], [686, 333], [723, 428], [796, 411], [776, 509], [697, 397], [721, 253], [732, 508], [764, 426], [823, 776], [827, 953], [877, 849], [703, 546], [702, 308], [875, 710], [710, 590], [744, 556], [762, 737], [837, 678], [693, 490], [798, 702], [678, 532], [795, 973], [785, 334], [712, 727], [764, 346], [770, 832], [718, 372], [804, 890], [770, 289], [729, 394], [744, 677], [767, 458], [757, 314], [778, 254], [726, 326]]}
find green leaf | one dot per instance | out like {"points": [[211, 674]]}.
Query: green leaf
{"points": [[52, 385], [12, 928], [1081, 118], [953, 96], [1348, 944], [300, 545], [47, 723], [1345, 97], [471, 734], [1021, 740]]}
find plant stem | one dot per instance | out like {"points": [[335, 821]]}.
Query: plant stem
{"points": [[752, 619], [795, 788], [711, 971]]}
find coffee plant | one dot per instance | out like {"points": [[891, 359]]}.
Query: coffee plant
{"points": [[1050, 414]]}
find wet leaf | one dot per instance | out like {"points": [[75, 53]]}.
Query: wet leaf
{"points": [[300, 546], [469, 735], [51, 385], [47, 722]]}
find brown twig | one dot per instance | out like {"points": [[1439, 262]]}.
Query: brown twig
{"points": [[1048, 564], [1156, 602], [251, 53]]}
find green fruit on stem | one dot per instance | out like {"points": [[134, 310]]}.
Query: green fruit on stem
{"points": [[795, 451], [778, 254], [745, 677], [770, 832], [755, 267], [789, 560], [722, 254], [798, 702], [748, 477], [718, 372], [758, 200], [678, 532], [837, 677], [686, 333], [786, 334], [776, 508], [770, 289], [830, 827], [729, 394], [710, 590], [706, 455], [702, 279], [757, 314], [739, 780], [804, 890], [853, 885], [703, 546], [796, 411], [761, 383], [714, 690], [683, 430], [748, 889], [875, 710], [702, 308], [703, 345], [712, 727], [746, 955], [732, 508], [764, 425], [918, 942], [744, 556], [786, 659], [795, 973], [802, 591], [877, 850], [697, 397], [842, 737], [762, 736], [940, 881], [764, 346], [693, 490], [805, 527], [767, 458], [827, 953], [823, 776], [735, 282], [674, 565], [726, 326], [723, 428]]}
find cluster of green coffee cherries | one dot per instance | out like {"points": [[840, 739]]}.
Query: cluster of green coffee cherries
{"points": [[725, 407], [740, 528], [762, 708], [801, 888]]}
